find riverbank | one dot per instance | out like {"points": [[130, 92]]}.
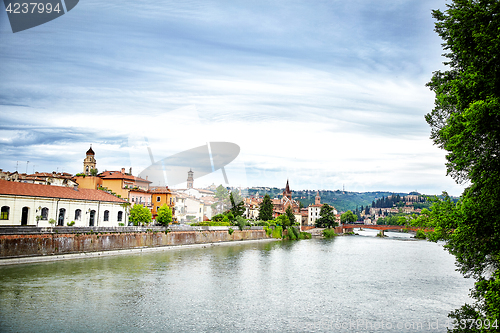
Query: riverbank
{"points": [[86, 255], [17, 248]]}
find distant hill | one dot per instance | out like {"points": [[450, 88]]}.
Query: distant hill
{"points": [[341, 200]]}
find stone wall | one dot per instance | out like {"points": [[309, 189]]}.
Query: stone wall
{"points": [[23, 245]]}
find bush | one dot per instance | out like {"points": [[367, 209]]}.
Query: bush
{"points": [[305, 235], [329, 233], [218, 217], [241, 222], [293, 233], [230, 231], [269, 231], [277, 232], [420, 234], [72, 223]]}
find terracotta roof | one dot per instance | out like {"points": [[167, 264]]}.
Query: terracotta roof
{"points": [[160, 190], [49, 191], [120, 175]]}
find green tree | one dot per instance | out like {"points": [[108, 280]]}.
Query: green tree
{"points": [[164, 215], [290, 215], [266, 209], [327, 217], [222, 196], [283, 221], [237, 205], [466, 123], [139, 214], [348, 217]]}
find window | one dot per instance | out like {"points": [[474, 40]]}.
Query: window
{"points": [[45, 213], [158, 199], [157, 208], [120, 216], [106, 215], [4, 215], [78, 215]]}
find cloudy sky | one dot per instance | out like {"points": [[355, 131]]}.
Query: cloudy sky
{"points": [[328, 94]]}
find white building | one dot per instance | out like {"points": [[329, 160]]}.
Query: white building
{"points": [[313, 211], [36, 205]]}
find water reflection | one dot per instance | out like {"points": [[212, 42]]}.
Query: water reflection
{"points": [[276, 286]]}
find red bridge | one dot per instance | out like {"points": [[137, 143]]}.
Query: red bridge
{"points": [[382, 228]]}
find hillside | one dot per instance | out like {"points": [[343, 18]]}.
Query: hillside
{"points": [[341, 200]]}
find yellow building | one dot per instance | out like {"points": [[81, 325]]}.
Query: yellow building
{"points": [[121, 183], [159, 197]]}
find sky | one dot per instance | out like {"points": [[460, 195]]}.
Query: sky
{"points": [[327, 94]]}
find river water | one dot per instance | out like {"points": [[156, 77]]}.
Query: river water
{"points": [[347, 284]]}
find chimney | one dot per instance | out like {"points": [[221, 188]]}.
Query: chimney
{"points": [[130, 172], [123, 170], [75, 187]]}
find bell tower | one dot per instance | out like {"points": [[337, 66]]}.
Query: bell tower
{"points": [[317, 200], [89, 162], [190, 179]]}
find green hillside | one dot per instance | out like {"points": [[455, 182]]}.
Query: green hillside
{"points": [[341, 200]]}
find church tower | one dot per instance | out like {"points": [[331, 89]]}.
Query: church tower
{"points": [[89, 162], [190, 179], [317, 200], [287, 193]]}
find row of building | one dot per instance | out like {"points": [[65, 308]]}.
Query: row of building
{"points": [[91, 199], [102, 199]]}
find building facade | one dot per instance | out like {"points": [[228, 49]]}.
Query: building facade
{"points": [[37, 205]]}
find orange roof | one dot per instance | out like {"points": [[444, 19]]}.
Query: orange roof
{"points": [[120, 175], [160, 190], [49, 191]]}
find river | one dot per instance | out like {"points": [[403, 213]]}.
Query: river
{"points": [[347, 284]]}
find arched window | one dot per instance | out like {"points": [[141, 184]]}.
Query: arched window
{"points": [[78, 215], [4, 215], [120, 216], [45, 213], [106, 215]]}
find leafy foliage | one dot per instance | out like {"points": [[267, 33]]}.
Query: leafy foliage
{"points": [[466, 123], [266, 209], [139, 214], [164, 215], [348, 217], [329, 233], [290, 215], [237, 205], [327, 217]]}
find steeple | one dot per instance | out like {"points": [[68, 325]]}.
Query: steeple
{"points": [[317, 200], [287, 193], [190, 179], [89, 162]]}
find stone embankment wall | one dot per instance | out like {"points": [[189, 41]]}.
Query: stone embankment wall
{"points": [[56, 243]]}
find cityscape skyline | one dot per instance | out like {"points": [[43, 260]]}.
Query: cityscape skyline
{"points": [[327, 95]]}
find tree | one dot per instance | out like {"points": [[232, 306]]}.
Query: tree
{"points": [[290, 215], [222, 196], [139, 214], [327, 217], [283, 221], [466, 123], [266, 209], [164, 215], [237, 205], [348, 217]]}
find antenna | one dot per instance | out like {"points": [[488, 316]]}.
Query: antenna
{"points": [[27, 162]]}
